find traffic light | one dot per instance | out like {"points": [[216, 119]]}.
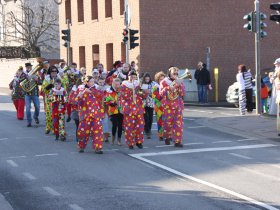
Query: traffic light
{"points": [[251, 18], [66, 36], [133, 38], [262, 25], [275, 17], [125, 36]]}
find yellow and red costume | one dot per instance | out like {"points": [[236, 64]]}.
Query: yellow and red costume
{"points": [[172, 111]]}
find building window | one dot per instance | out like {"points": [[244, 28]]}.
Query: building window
{"points": [[108, 8], [82, 56], [95, 55], [109, 55], [68, 10], [121, 7], [94, 9], [123, 52], [80, 10]]}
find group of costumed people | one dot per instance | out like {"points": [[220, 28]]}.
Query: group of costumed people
{"points": [[121, 96]]}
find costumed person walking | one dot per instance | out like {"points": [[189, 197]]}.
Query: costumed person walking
{"points": [[32, 95], [112, 101], [74, 105], [158, 105], [18, 93], [273, 104], [149, 104], [172, 93], [47, 85], [131, 100], [58, 110], [70, 78], [90, 115]]}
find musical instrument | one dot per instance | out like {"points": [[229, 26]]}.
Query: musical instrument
{"points": [[29, 83], [173, 95]]}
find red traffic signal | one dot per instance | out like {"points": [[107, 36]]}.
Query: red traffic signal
{"points": [[125, 36]]}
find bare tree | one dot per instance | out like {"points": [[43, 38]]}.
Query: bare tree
{"points": [[36, 28]]}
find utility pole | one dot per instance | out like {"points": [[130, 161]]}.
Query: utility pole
{"points": [[68, 45], [126, 21], [257, 58]]}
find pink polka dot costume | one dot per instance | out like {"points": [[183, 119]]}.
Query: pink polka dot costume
{"points": [[172, 111]]}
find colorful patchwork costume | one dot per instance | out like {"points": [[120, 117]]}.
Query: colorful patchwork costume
{"points": [[58, 106], [91, 113], [172, 111], [158, 109]]}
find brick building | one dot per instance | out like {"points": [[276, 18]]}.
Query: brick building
{"points": [[173, 32]]}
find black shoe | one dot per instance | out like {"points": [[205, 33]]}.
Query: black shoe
{"points": [[36, 120], [56, 137], [139, 145], [29, 125], [62, 138], [98, 151], [167, 141], [47, 131], [178, 145], [278, 133], [130, 147], [81, 151], [68, 119], [161, 138]]}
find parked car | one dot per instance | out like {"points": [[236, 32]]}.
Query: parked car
{"points": [[232, 94]]}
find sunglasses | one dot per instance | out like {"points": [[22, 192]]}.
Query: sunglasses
{"points": [[175, 74]]}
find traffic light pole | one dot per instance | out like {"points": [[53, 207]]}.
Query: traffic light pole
{"points": [[126, 27], [257, 58], [68, 45]]}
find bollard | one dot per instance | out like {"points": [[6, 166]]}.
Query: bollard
{"points": [[216, 76]]}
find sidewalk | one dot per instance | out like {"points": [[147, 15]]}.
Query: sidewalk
{"points": [[250, 126], [210, 104]]}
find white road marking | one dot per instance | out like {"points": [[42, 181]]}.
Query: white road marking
{"points": [[16, 157], [29, 176], [12, 163], [211, 112], [198, 143], [5, 205], [42, 155], [241, 156], [51, 191], [229, 114], [218, 142], [200, 181], [247, 140], [213, 149], [193, 127], [3, 139], [4, 94], [25, 137], [269, 164], [185, 118], [166, 146], [75, 207]]}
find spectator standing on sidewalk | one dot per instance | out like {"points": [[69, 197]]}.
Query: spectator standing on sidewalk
{"points": [[202, 77], [264, 96], [277, 100], [273, 106], [248, 89], [18, 93], [241, 88]]}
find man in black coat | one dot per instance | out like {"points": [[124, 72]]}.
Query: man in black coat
{"points": [[202, 77]]}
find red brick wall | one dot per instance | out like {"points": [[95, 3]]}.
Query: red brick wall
{"points": [[178, 32]]}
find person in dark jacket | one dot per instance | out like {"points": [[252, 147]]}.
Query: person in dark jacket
{"points": [[202, 77]]}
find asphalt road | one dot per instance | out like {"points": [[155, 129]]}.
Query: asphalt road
{"points": [[215, 169]]}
